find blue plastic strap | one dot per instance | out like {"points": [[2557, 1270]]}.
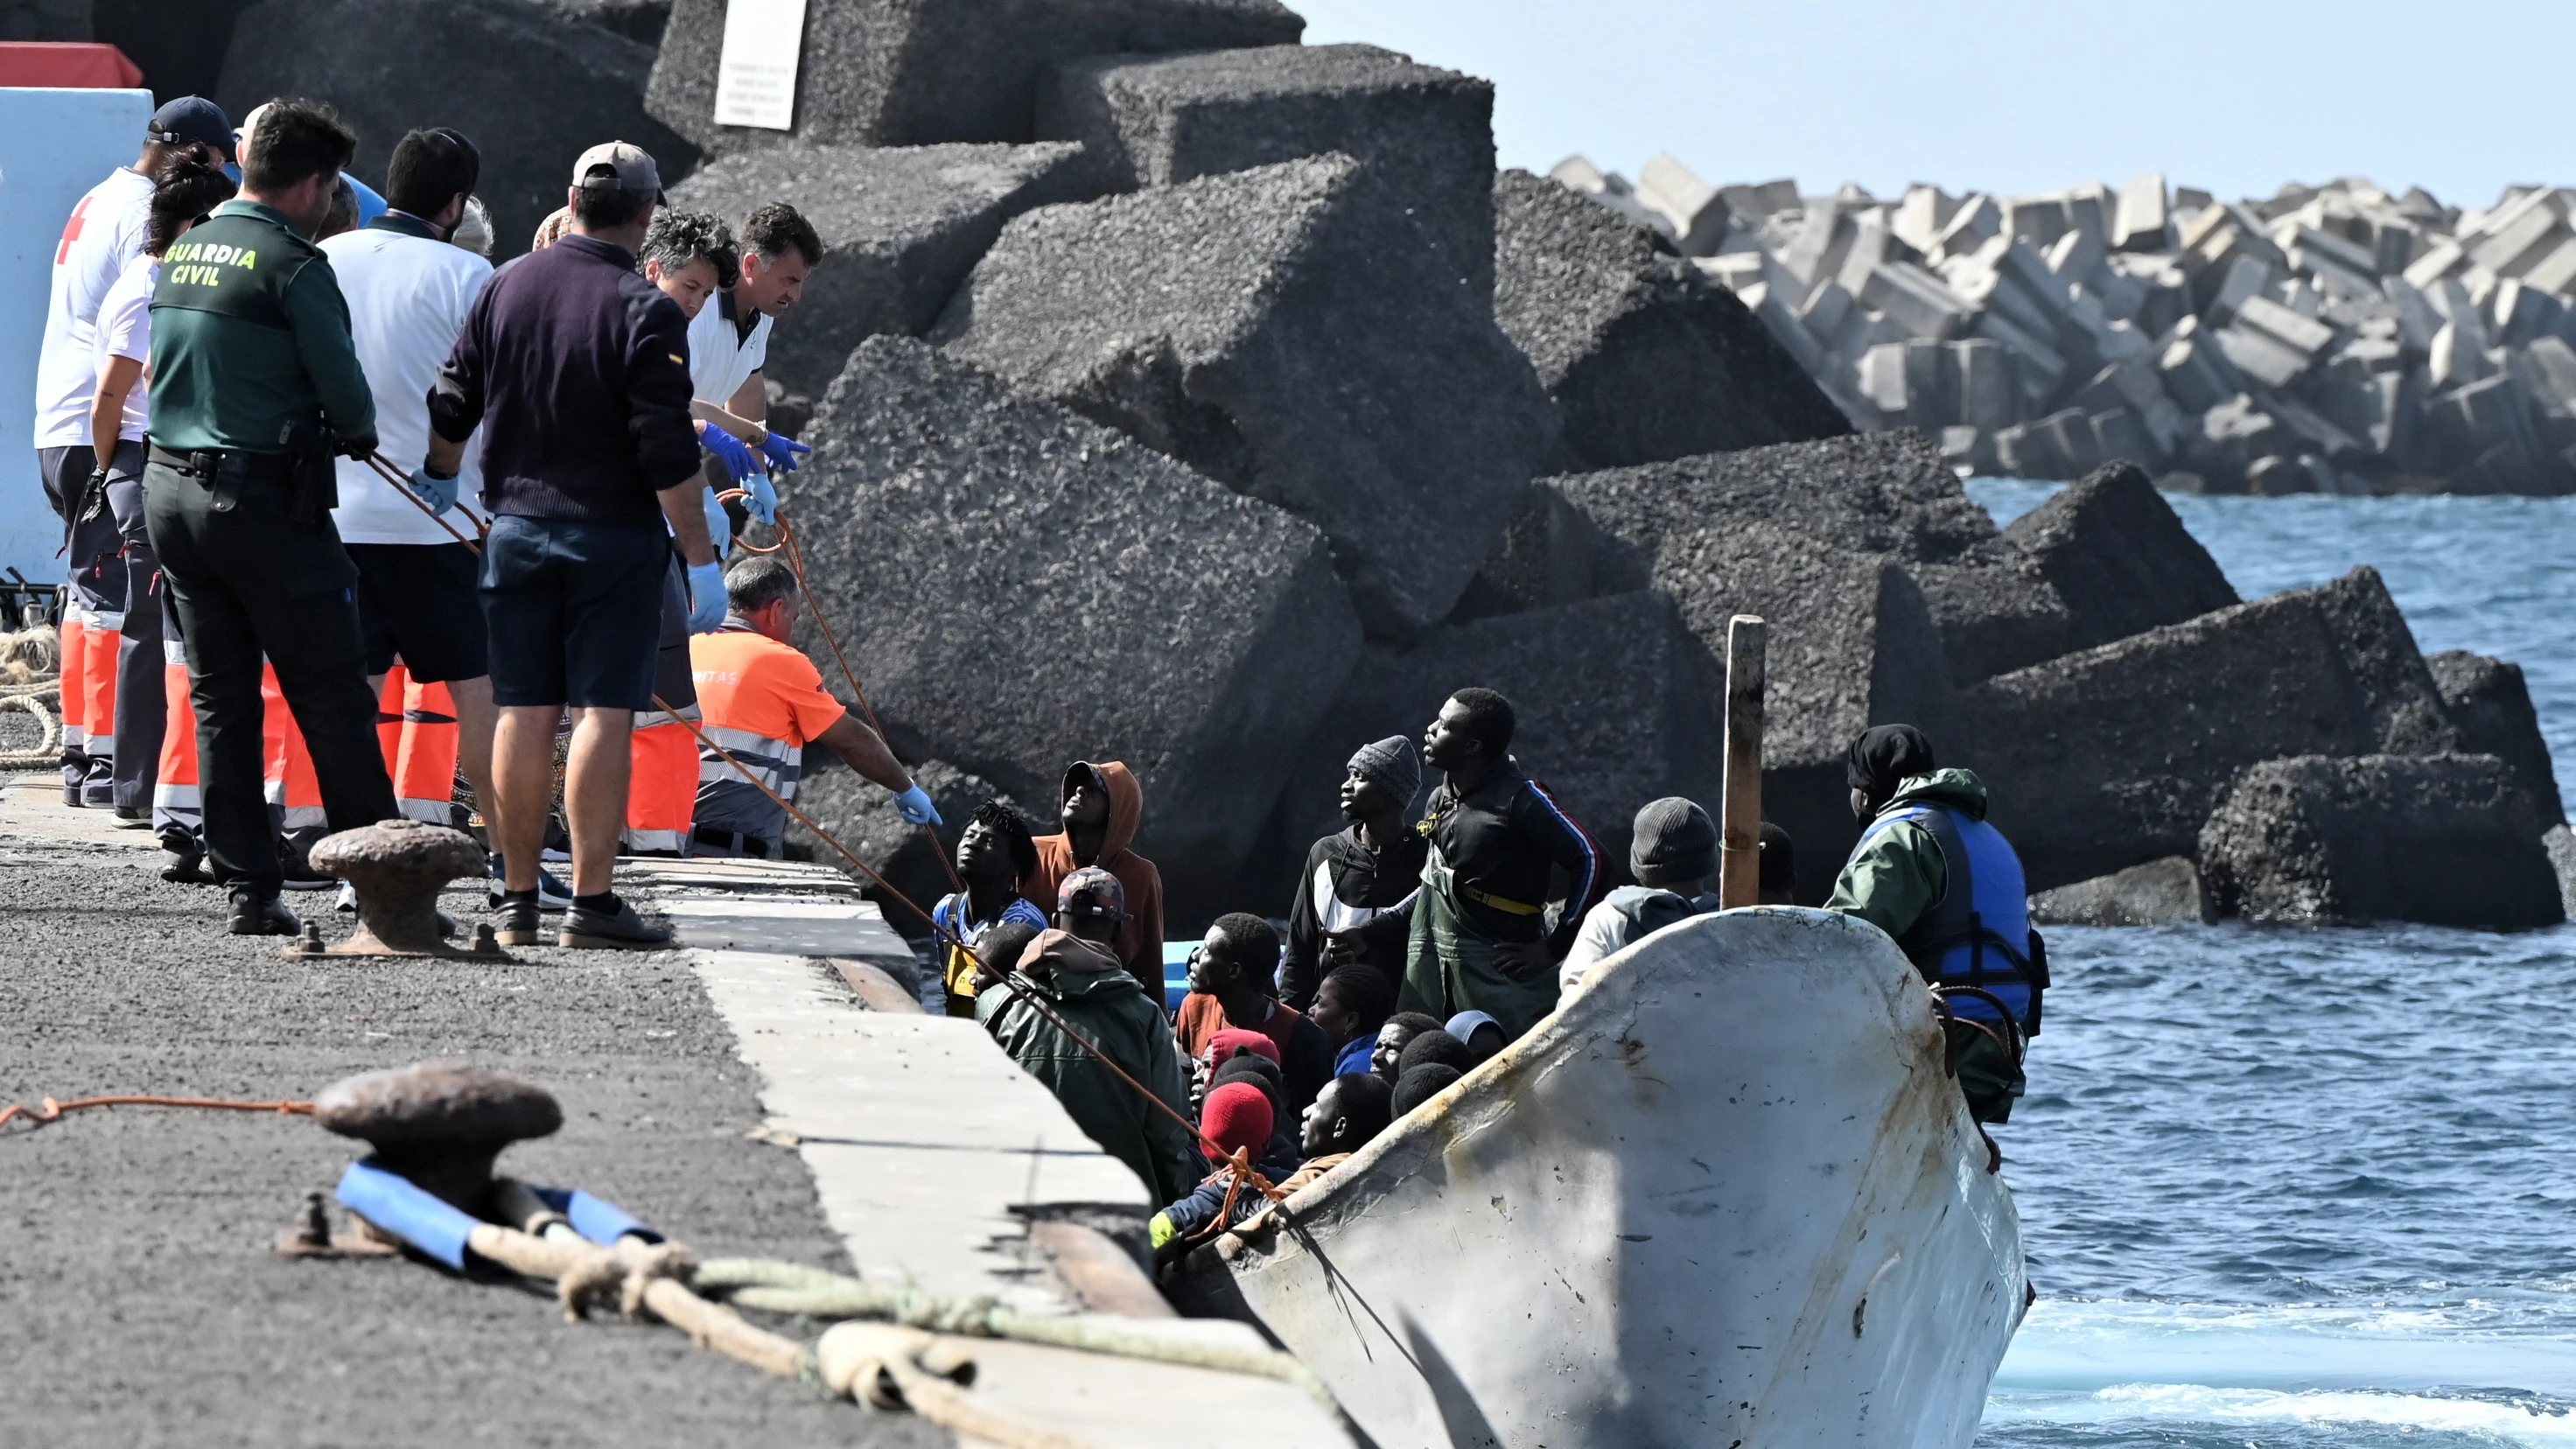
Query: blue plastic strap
{"points": [[600, 1221], [393, 1203]]}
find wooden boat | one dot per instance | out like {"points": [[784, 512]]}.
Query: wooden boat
{"points": [[1726, 1195]]}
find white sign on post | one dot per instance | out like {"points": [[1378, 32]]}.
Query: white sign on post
{"points": [[756, 72]]}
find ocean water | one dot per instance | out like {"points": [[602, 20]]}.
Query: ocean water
{"points": [[2289, 1188]]}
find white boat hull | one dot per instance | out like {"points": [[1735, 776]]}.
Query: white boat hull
{"points": [[1725, 1196]]}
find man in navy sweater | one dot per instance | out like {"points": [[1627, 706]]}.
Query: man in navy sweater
{"points": [[577, 371]]}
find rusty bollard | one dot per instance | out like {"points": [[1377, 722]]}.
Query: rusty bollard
{"points": [[398, 868], [440, 1124]]}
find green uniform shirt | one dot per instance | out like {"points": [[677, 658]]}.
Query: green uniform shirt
{"points": [[250, 336]]}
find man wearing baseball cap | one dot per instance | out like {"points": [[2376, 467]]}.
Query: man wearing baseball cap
{"points": [[1084, 984], [577, 371], [102, 237]]}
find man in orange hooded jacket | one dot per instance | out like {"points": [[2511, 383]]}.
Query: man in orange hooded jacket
{"points": [[1101, 806]]}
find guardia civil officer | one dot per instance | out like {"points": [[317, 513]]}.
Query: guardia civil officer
{"points": [[1930, 872], [255, 384]]}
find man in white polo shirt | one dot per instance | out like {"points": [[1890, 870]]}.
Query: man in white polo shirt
{"points": [[409, 293], [729, 338]]}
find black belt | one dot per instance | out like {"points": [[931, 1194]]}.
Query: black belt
{"points": [[754, 846], [205, 465]]}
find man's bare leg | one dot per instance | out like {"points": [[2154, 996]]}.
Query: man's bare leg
{"points": [[595, 794], [523, 789], [476, 720]]}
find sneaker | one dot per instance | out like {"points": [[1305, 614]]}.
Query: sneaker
{"points": [[98, 795], [183, 862], [621, 930], [133, 817], [517, 924], [258, 915]]}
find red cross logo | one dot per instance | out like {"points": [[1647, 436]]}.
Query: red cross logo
{"points": [[71, 232]]}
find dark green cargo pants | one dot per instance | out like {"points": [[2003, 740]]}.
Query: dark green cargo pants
{"points": [[250, 584], [1988, 1076]]}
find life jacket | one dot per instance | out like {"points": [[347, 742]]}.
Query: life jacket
{"points": [[1978, 933]]}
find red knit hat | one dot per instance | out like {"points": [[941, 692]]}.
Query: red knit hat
{"points": [[1222, 1046], [1237, 1114]]}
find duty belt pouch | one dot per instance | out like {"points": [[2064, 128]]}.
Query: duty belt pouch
{"points": [[312, 474], [223, 474]]}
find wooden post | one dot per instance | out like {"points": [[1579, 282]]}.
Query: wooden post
{"points": [[1740, 829]]}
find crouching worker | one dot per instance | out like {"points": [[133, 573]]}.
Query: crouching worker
{"points": [[1930, 872], [1086, 989], [763, 702], [1239, 1117]]}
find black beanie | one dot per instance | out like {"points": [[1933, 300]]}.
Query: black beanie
{"points": [[1885, 755], [1674, 841]]}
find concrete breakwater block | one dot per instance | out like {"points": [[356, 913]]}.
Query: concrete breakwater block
{"points": [[1287, 331], [1147, 120], [2119, 558], [916, 72], [2165, 892], [530, 86], [2116, 755], [901, 227], [1647, 359], [2490, 705], [2450, 840], [1019, 588]]}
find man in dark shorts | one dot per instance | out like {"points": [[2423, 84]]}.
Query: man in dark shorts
{"points": [[577, 370]]}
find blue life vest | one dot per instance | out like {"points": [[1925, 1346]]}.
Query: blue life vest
{"points": [[1978, 933]]}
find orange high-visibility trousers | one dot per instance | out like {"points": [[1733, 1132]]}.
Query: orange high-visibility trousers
{"points": [[293, 790], [74, 636], [662, 794], [424, 769], [389, 707], [175, 801], [98, 683]]}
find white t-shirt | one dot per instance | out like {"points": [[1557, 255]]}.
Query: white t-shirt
{"points": [[721, 359], [408, 297], [124, 329], [104, 233]]}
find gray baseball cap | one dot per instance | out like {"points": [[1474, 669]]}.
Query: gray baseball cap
{"points": [[632, 169]]}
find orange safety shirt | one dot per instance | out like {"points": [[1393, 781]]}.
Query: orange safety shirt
{"points": [[763, 701]]}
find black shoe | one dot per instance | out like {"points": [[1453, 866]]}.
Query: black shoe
{"points": [[72, 796], [133, 817], [622, 930], [258, 915], [517, 923], [98, 795], [182, 863]]}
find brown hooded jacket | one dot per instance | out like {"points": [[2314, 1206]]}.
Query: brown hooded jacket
{"points": [[1140, 938]]}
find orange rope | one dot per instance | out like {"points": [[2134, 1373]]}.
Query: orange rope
{"points": [[52, 1110]]}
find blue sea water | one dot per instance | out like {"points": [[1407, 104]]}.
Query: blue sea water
{"points": [[2289, 1188]]}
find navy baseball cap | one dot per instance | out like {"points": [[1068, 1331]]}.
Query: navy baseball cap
{"points": [[194, 118]]}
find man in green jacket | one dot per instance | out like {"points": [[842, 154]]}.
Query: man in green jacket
{"points": [[1083, 982], [1930, 872], [255, 385]]}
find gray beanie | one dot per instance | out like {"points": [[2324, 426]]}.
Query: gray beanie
{"points": [[1675, 841], [1394, 762]]}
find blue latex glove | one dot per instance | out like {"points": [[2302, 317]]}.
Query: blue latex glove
{"points": [[706, 598], [719, 523], [916, 807], [783, 452], [763, 502], [438, 493], [738, 459]]}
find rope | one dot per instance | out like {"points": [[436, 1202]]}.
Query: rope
{"points": [[49, 750], [52, 1111]]}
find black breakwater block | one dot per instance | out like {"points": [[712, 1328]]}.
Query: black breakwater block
{"points": [[2490, 705], [1019, 588], [532, 86], [1648, 359], [1288, 331], [2119, 557], [2451, 840], [916, 72], [2115, 756], [1156, 120], [901, 227]]}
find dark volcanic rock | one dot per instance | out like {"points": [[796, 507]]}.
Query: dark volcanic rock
{"points": [[2489, 704], [1019, 588], [532, 87], [1997, 611], [642, 21], [901, 227], [2165, 892], [915, 72], [2452, 840], [179, 48], [1157, 120], [2119, 558], [1612, 697], [2116, 755], [1647, 359], [1284, 330], [861, 815]]}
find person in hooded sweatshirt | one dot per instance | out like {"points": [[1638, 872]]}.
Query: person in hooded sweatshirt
{"points": [[1673, 855], [1086, 986], [1101, 807], [1930, 872]]}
